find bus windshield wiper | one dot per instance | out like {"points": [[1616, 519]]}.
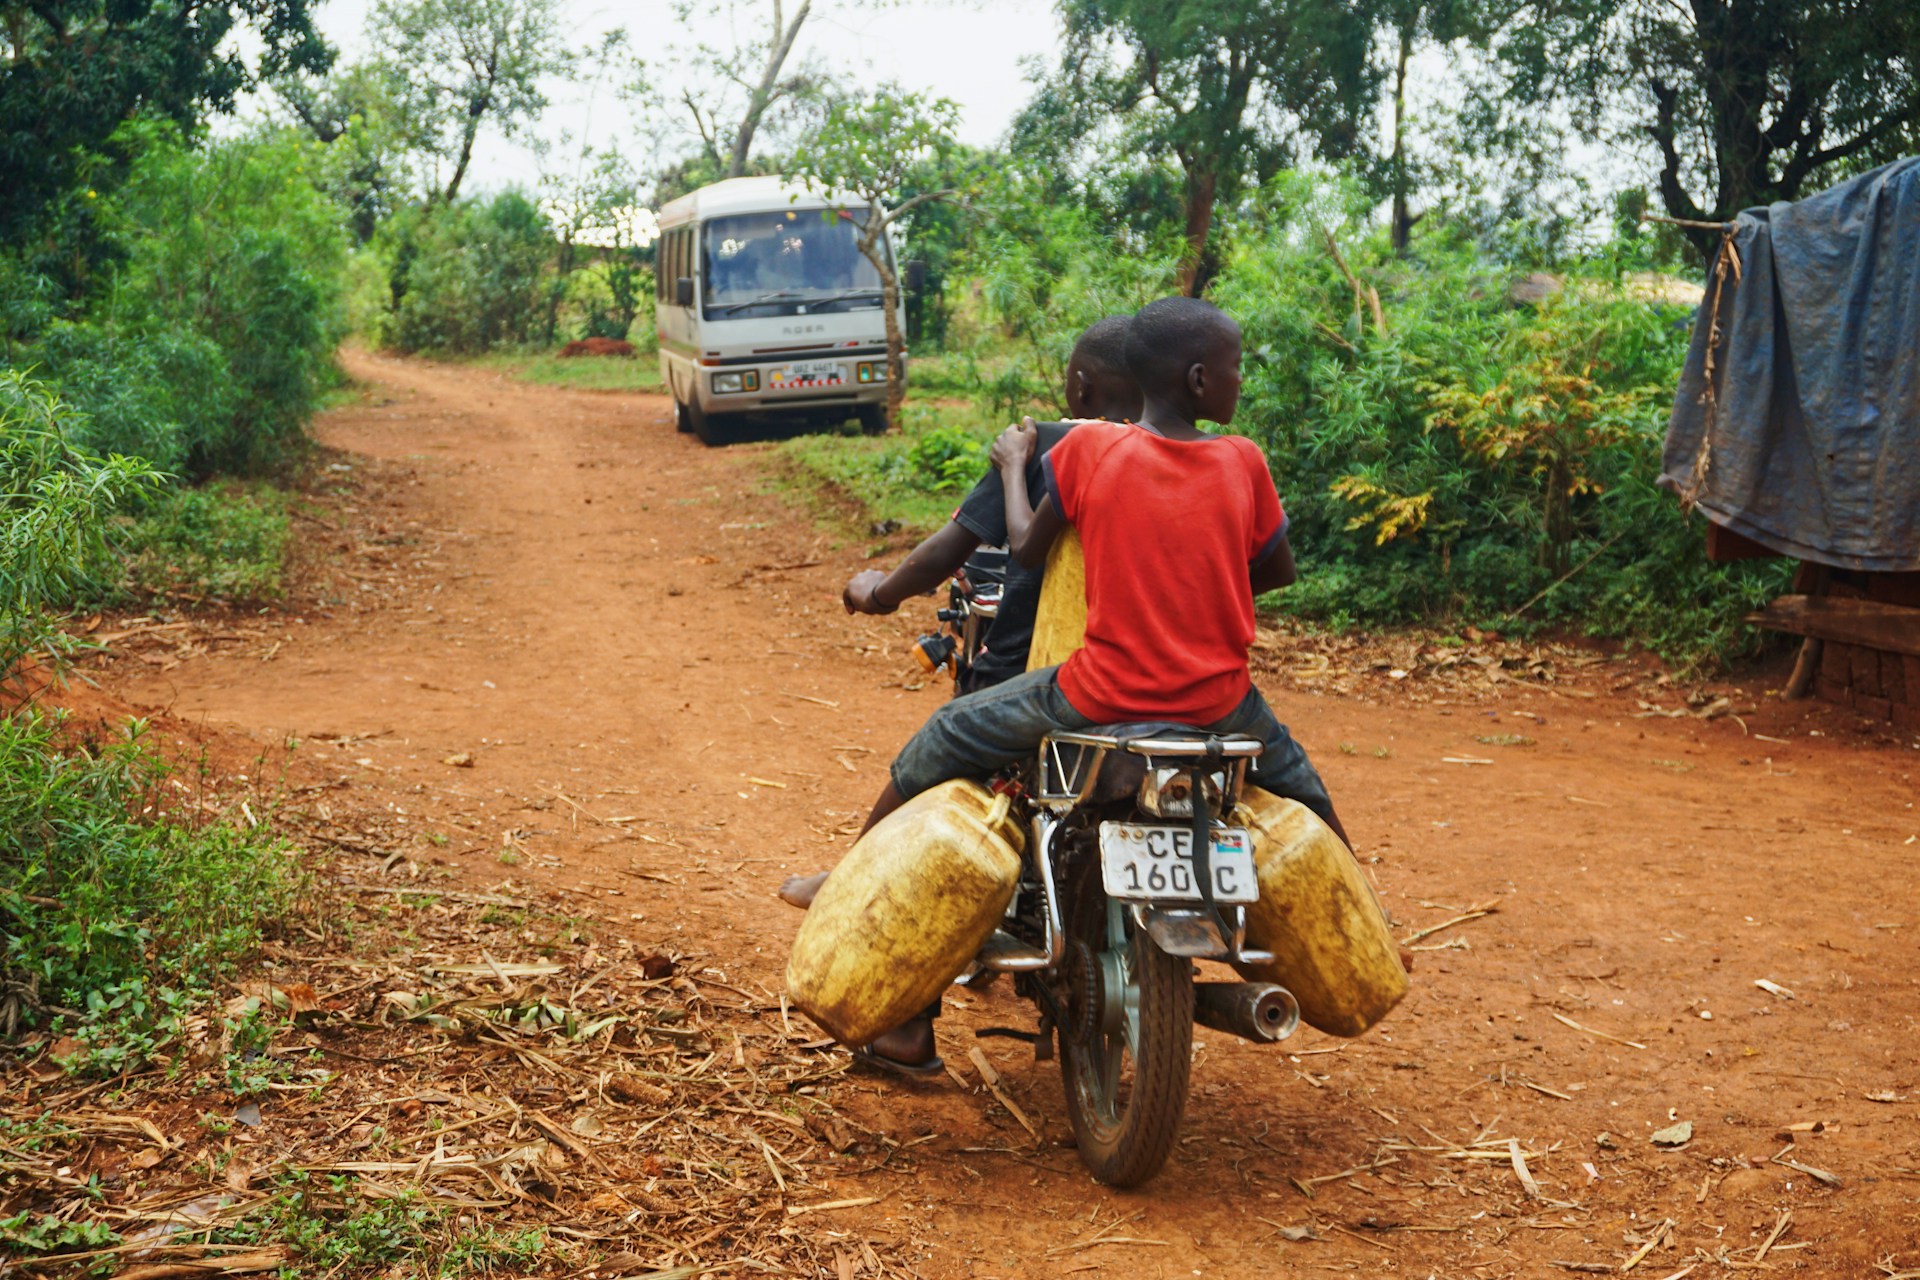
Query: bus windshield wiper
{"points": [[797, 298], [778, 295], [848, 296]]}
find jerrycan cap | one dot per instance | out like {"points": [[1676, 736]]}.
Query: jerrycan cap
{"points": [[998, 819]]}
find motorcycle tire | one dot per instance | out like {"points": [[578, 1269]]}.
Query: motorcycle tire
{"points": [[1124, 1124]]}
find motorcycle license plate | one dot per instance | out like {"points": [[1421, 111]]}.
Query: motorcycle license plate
{"points": [[806, 373], [1156, 863]]}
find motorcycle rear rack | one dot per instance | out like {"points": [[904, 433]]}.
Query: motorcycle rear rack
{"points": [[1070, 763]]}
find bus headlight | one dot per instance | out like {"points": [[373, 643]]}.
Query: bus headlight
{"points": [[734, 383], [870, 371]]}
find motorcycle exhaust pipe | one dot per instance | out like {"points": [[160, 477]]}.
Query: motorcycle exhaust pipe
{"points": [[1256, 1011]]}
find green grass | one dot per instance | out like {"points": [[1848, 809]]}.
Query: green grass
{"points": [[914, 477], [944, 377], [331, 1228], [227, 540], [581, 373], [121, 907]]}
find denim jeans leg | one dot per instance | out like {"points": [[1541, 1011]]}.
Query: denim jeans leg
{"points": [[1283, 767], [978, 733]]}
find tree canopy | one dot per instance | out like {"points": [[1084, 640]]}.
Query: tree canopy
{"points": [[1743, 102], [74, 71], [458, 65], [1231, 91]]}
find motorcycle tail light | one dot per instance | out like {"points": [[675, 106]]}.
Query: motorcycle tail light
{"points": [[1167, 791]]}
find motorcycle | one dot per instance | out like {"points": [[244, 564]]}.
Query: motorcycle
{"points": [[1130, 875]]}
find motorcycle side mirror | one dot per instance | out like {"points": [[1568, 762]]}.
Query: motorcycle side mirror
{"points": [[916, 275], [683, 291]]}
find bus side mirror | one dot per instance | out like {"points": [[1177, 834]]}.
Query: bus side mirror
{"points": [[683, 291], [916, 275]]}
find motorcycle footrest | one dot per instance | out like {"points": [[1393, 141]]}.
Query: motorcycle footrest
{"points": [[1005, 953]]}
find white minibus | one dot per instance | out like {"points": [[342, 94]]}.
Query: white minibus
{"points": [[767, 310]]}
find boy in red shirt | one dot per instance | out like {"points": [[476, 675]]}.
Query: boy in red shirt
{"points": [[1181, 530]]}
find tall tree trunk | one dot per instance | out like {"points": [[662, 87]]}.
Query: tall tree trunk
{"points": [[476, 112], [780, 45], [562, 268], [873, 246], [1402, 219], [1203, 186]]}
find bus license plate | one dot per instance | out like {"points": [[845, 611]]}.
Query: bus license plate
{"points": [[805, 373], [1156, 863]]}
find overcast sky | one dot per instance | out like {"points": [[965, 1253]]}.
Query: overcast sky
{"points": [[972, 53]]}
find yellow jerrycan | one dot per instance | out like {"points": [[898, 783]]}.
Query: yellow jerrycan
{"points": [[906, 910], [1319, 917], [1060, 619]]}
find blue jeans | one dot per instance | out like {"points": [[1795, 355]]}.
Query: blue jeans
{"points": [[979, 733]]}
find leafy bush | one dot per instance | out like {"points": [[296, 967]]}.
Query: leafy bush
{"points": [[55, 500], [114, 921], [467, 278], [206, 336], [152, 395], [225, 540], [231, 243], [1474, 457], [942, 459]]}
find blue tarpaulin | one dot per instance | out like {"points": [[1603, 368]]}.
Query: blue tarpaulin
{"points": [[1810, 442]]}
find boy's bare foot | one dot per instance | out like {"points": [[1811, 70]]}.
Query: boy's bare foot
{"points": [[799, 891]]}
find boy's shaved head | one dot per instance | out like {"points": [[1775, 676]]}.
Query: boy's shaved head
{"points": [[1099, 384], [1103, 347], [1168, 337]]}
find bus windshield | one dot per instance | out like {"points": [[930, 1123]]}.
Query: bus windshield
{"points": [[777, 262]]}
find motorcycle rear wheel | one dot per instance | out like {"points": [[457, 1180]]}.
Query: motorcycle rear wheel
{"points": [[1125, 1070]]}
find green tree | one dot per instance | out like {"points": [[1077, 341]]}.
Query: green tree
{"points": [[1744, 102], [73, 71], [869, 148], [1408, 24], [1230, 89], [734, 90], [468, 277], [369, 140], [458, 65], [591, 207]]}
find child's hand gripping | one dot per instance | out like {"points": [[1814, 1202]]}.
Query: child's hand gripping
{"points": [[1013, 448]]}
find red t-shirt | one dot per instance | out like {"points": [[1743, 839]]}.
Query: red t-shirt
{"points": [[1169, 528]]}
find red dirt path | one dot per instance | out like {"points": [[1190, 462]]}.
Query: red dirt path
{"points": [[614, 622]]}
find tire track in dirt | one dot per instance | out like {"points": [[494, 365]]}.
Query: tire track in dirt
{"points": [[614, 622]]}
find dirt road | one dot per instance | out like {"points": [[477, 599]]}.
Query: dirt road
{"points": [[612, 622]]}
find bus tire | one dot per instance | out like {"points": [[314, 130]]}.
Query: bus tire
{"points": [[873, 419], [682, 419], [711, 428]]}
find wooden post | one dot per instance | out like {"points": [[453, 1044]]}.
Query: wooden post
{"points": [[1808, 579]]}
